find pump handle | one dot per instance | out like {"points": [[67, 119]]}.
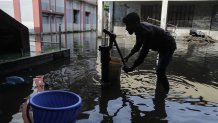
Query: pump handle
{"points": [[112, 35], [112, 40]]}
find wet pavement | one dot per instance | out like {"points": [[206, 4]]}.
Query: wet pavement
{"points": [[135, 99]]}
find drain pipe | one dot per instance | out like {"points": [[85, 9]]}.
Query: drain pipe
{"points": [[59, 36]]}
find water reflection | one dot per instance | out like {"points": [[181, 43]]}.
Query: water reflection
{"points": [[196, 63], [191, 95], [192, 76], [80, 44], [113, 102], [136, 100], [108, 94], [46, 43], [11, 97], [138, 112], [83, 44]]}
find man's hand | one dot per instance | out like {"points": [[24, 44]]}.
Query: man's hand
{"points": [[127, 69], [126, 59]]}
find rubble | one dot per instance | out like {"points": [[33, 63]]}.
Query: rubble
{"points": [[199, 38]]}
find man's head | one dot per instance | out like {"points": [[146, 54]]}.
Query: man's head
{"points": [[131, 21]]}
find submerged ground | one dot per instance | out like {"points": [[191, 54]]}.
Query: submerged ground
{"points": [[192, 75]]}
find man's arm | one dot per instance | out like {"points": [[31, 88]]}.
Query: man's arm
{"points": [[143, 53], [136, 47]]}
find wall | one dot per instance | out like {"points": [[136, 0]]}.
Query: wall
{"points": [[82, 8], [54, 29], [69, 15], [60, 19], [120, 10], [76, 6], [60, 6], [53, 14], [201, 20], [92, 17], [45, 23], [45, 4], [87, 9], [202, 15]]}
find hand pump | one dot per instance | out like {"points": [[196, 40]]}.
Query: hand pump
{"points": [[113, 40], [105, 57]]}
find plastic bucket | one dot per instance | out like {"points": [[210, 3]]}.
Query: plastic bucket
{"points": [[115, 69], [55, 106]]}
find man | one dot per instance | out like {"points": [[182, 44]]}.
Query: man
{"points": [[148, 37]]}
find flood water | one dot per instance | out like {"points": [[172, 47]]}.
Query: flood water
{"points": [[193, 77]]}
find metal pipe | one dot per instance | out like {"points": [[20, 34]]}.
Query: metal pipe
{"points": [[60, 36], [148, 18], [105, 59], [113, 40]]}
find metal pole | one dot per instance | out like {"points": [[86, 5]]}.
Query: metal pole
{"points": [[60, 36], [105, 59], [113, 41]]}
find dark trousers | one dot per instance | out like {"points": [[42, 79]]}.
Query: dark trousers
{"points": [[164, 58]]}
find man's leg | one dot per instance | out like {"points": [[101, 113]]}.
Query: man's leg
{"points": [[163, 61]]}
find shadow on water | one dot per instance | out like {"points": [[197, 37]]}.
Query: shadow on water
{"points": [[135, 99], [11, 97], [117, 106]]}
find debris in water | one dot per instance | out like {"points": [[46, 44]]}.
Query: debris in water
{"points": [[206, 39], [199, 37]]}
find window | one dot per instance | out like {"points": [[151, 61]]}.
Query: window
{"points": [[151, 14], [181, 15], [45, 23], [75, 16], [87, 17]]}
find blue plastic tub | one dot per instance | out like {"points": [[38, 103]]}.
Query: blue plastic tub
{"points": [[55, 106]]}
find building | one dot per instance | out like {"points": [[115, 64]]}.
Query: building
{"points": [[45, 16], [177, 15]]}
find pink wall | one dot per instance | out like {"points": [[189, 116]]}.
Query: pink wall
{"points": [[37, 15], [17, 15]]}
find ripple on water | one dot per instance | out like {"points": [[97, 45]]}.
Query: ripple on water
{"points": [[144, 82], [187, 101], [192, 96]]}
